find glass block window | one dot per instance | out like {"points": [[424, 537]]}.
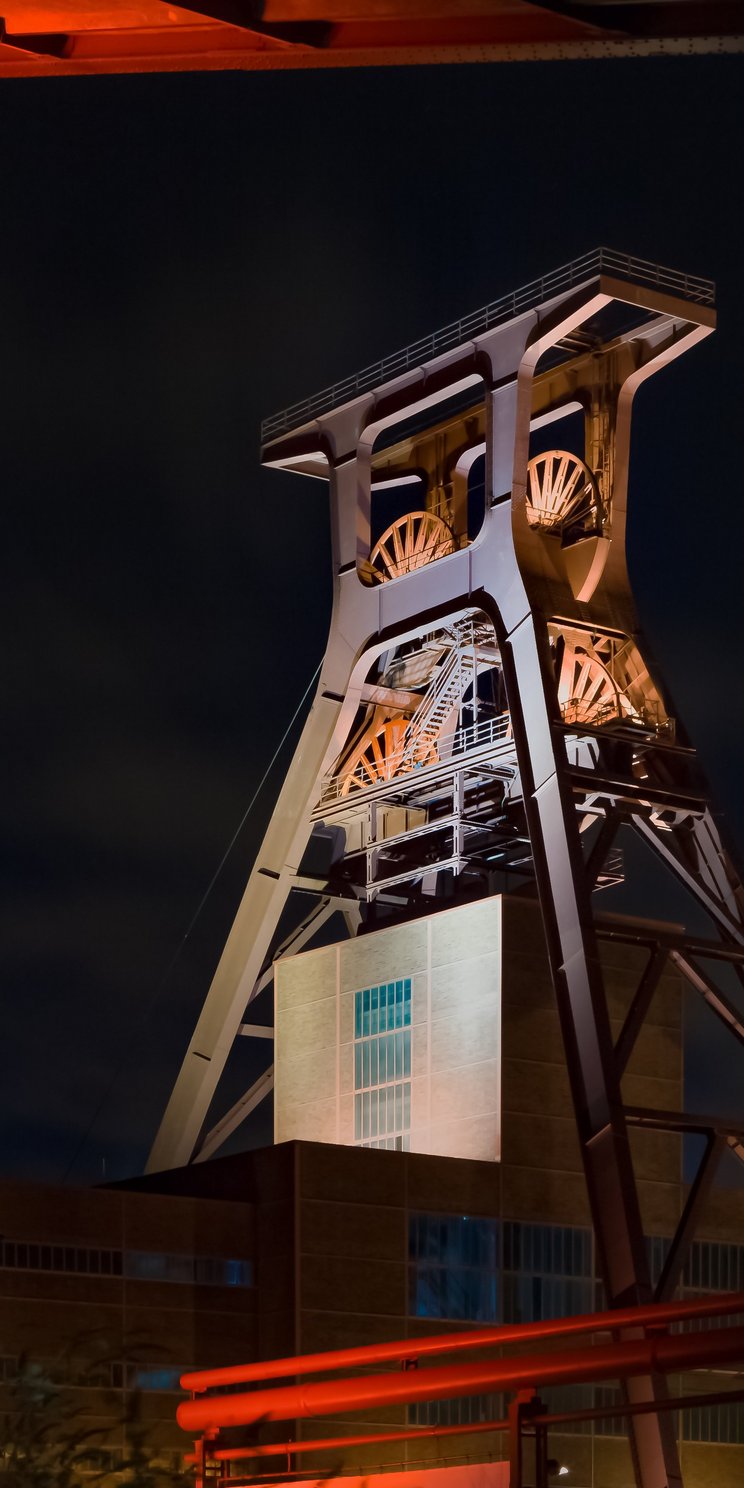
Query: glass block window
{"points": [[723, 1421], [382, 1065], [713, 1266], [548, 1272], [553, 1250], [657, 1250]]}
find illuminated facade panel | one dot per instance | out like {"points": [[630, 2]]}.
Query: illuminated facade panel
{"points": [[394, 1039]]}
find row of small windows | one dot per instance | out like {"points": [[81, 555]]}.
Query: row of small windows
{"points": [[554, 1250], [714, 1267], [382, 1060], [135, 1265], [454, 1240], [478, 1270], [399, 1143], [382, 1066], [100, 1374], [467, 1411], [382, 1114], [382, 1009], [530, 1299], [718, 1422], [711, 1266], [714, 1423]]}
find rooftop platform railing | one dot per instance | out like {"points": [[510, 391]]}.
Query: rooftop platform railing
{"points": [[450, 748], [579, 271]]}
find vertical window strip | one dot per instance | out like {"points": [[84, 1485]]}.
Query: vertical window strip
{"points": [[382, 1065]]}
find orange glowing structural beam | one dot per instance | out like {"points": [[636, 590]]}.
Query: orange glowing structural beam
{"points": [[410, 1350], [340, 1443], [46, 37], [660, 1353], [463, 1428], [641, 1356]]}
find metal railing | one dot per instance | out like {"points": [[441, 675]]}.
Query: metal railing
{"points": [[399, 767], [638, 270]]}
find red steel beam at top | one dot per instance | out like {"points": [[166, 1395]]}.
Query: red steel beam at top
{"points": [[639, 1356], [46, 38], [650, 1315]]}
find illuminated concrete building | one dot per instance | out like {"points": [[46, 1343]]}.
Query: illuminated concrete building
{"points": [[385, 1023]]}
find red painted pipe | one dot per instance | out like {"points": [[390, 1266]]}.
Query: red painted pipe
{"points": [[466, 1428], [331, 1397], [652, 1314], [370, 1439]]}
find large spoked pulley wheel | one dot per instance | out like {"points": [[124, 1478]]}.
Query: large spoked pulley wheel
{"points": [[561, 490], [410, 543]]}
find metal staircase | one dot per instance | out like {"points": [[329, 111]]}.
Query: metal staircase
{"points": [[445, 694]]}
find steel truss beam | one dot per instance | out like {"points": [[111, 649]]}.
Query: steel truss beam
{"points": [[110, 36], [216, 1138], [590, 729]]}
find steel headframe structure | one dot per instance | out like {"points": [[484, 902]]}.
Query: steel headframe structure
{"points": [[487, 714], [519, 1374], [43, 38]]}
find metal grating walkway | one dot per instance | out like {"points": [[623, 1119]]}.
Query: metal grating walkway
{"points": [[636, 270]]}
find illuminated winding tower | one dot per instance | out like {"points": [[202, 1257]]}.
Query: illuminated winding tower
{"points": [[486, 720]]}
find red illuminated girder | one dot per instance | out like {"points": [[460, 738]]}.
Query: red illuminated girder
{"points": [[641, 1356], [463, 1428], [336, 1443], [43, 37], [651, 1315]]}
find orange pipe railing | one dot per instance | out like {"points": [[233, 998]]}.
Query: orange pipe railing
{"points": [[652, 1314], [606, 1361], [336, 1443]]}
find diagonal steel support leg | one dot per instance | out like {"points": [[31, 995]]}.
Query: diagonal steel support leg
{"points": [[237, 1114], [582, 1007], [675, 1261], [601, 847], [639, 1007], [720, 1005]]}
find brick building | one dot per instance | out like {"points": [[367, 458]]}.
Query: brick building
{"points": [[334, 1239]]}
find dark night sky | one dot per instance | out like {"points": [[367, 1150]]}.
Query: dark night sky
{"points": [[180, 256]]}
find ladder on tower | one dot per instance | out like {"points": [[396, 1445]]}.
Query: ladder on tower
{"points": [[445, 694]]}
